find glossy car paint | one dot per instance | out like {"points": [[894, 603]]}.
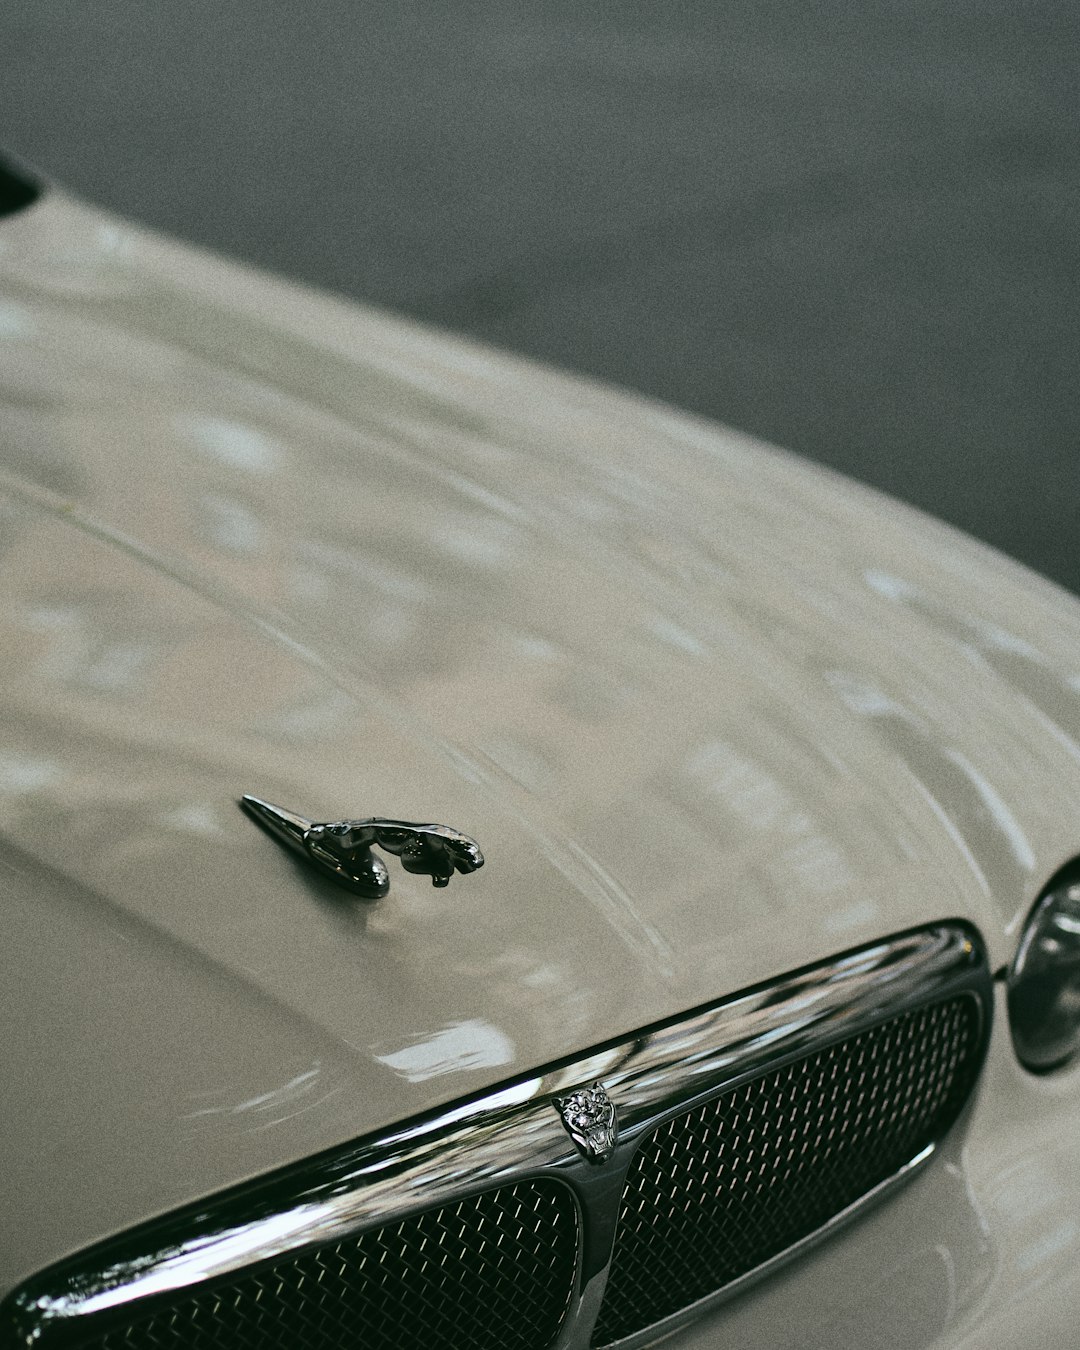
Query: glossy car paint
{"points": [[710, 713]]}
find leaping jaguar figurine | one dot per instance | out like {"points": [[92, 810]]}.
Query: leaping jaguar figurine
{"points": [[343, 849]]}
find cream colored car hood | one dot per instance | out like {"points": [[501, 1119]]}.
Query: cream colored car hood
{"points": [[711, 714]]}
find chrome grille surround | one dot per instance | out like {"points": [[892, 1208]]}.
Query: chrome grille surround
{"points": [[513, 1134]]}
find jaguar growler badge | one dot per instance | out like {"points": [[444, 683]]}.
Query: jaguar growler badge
{"points": [[343, 849], [590, 1120]]}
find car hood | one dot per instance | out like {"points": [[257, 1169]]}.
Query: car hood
{"points": [[711, 714]]}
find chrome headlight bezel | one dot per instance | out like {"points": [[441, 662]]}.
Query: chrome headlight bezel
{"points": [[1044, 978]]}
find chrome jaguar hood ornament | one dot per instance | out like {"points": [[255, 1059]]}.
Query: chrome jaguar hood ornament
{"points": [[590, 1120], [342, 849]]}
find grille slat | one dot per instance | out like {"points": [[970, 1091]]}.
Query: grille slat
{"points": [[715, 1192], [493, 1272]]}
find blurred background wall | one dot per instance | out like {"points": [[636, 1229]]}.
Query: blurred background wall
{"points": [[852, 229]]}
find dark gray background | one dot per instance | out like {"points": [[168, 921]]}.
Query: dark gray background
{"points": [[851, 229]]}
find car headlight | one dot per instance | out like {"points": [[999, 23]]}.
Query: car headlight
{"points": [[1044, 981]]}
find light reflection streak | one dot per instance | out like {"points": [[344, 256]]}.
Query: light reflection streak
{"points": [[232, 444], [1006, 821], [184, 1265], [459, 1047], [21, 773], [955, 835], [15, 322]]}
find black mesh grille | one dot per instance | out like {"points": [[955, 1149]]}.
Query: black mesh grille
{"points": [[715, 1192], [494, 1271]]}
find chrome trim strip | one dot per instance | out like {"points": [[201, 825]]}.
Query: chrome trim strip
{"points": [[512, 1132]]}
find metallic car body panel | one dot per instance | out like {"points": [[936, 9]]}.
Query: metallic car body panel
{"points": [[712, 713]]}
